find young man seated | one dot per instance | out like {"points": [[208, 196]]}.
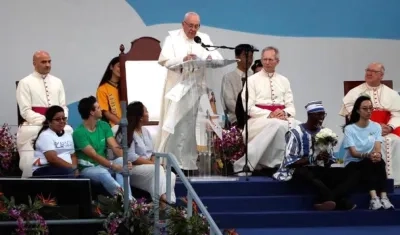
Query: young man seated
{"points": [[91, 140], [302, 164]]}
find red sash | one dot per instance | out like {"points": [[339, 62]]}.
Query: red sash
{"points": [[270, 107], [383, 117], [41, 110]]}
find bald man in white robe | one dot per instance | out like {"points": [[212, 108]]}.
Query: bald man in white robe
{"points": [[386, 112], [35, 94], [178, 118]]}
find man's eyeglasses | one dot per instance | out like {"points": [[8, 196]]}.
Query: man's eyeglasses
{"points": [[192, 26], [372, 71]]}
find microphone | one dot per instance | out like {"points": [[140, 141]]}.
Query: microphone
{"points": [[197, 40]]}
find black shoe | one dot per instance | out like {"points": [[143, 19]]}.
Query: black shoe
{"points": [[345, 205]]}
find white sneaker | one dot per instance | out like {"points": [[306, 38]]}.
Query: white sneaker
{"points": [[375, 204], [386, 203]]}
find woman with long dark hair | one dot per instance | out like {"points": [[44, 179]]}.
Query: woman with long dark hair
{"points": [[362, 142], [108, 94], [141, 155], [54, 148]]}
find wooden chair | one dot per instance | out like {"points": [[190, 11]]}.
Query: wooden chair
{"points": [[348, 85], [19, 117], [142, 49]]}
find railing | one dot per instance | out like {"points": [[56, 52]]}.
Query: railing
{"points": [[191, 194]]}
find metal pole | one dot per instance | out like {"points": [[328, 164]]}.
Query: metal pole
{"points": [[124, 127]]}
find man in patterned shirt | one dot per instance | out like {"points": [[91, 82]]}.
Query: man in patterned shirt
{"points": [[302, 164]]}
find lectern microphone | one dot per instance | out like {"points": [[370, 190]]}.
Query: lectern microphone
{"points": [[197, 39]]}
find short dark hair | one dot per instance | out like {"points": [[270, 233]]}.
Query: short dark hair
{"points": [[85, 106], [239, 49], [257, 63]]}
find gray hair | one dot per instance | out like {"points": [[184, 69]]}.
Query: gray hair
{"points": [[271, 48], [191, 13]]}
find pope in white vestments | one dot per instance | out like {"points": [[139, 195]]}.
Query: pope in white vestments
{"points": [[35, 93], [386, 112], [271, 111], [178, 118]]}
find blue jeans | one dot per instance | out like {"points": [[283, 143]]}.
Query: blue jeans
{"points": [[103, 175], [53, 172]]}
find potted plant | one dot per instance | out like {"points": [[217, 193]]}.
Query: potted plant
{"points": [[227, 150], [9, 158], [24, 215]]}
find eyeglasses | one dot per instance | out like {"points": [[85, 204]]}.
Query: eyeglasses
{"points": [[60, 119], [192, 26], [372, 71], [367, 108]]}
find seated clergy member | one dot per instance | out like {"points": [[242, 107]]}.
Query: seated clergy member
{"points": [[140, 153], [271, 111], [35, 94], [303, 164], [91, 140], [362, 141], [386, 112], [257, 66], [232, 82], [54, 148], [108, 94]]}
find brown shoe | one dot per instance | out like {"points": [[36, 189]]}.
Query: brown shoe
{"points": [[325, 206]]}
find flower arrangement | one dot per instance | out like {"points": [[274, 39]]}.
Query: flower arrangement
{"points": [[326, 139], [8, 150], [140, 218], [231, 145], [25, 214], [137, 221]]}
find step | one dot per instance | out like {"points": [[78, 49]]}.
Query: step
{"points": [[278, 203], [290, 219], [353, 230], [255, 186]]}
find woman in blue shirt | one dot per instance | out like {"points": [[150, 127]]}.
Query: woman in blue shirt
{"points": [[141, 155], [362, 142]]}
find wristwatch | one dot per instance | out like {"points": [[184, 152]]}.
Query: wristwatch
{"points": [[111, 164]]}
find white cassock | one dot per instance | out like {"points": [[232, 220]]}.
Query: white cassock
{"points": [[36, 93], [230, 89], [179, 137], [383, 99], [266, 145]]}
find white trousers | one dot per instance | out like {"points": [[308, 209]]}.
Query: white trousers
{"points": [[391, 156], [267, 143], [143, 177], [25, 135]]}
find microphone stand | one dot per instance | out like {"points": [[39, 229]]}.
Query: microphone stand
{"points": [[246, 167]]}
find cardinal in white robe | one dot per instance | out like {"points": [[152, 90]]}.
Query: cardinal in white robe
{"points": [[35, 94], [178, 118], [233, 81], [386, 112], [271, 114]]}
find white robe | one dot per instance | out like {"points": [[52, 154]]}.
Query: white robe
{"points": [[182, 141], [35, 91], [385, 98], [267, 135], [230, 89]]}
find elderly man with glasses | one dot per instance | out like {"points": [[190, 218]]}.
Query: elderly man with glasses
{"points": [[177, 133], [386, 112]]}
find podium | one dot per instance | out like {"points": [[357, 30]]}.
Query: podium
{"points": [[190, 100]]}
